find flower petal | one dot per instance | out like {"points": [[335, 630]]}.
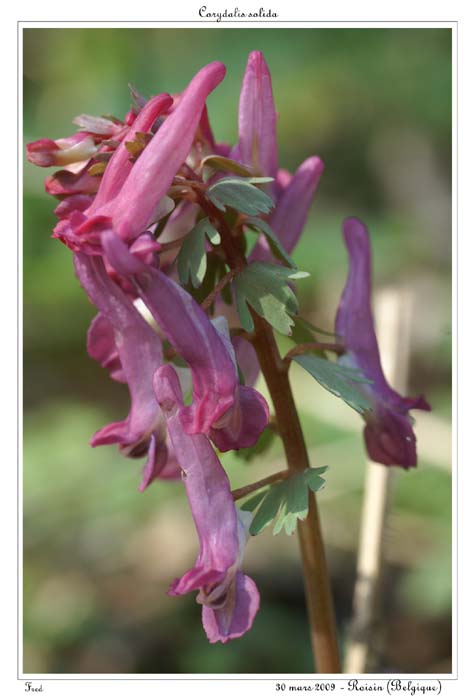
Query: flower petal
{"points": [[237, 615], [293, 204], [120, 164], [194, 338], [389, 436], [101, 346], [208, 491], [257, 118], [157, 165], [244, 423], [140, 353]]}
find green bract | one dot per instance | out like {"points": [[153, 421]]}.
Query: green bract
{"points": [[337, 379], [287, 501], [240, 194], [277, 249], [265, 288], [192, 259]]}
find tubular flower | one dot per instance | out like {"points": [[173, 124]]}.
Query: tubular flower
{"points": [[98, 138], [257, 148], [122, 341], [230, 599], [73, 149], [131, 196], [234, 416], [292, 207], [157, 165], [80, 227], [388, 433]]}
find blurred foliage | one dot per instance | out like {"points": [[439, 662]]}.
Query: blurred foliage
{"points": [[375, 104]]}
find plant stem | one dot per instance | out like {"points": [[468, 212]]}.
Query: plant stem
{"points": [[316, 577], [303, 348], [208, 301], [249, 488], [275, 371]]}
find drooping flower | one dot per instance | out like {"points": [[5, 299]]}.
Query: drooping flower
{"points": [[230, 599], [123, 342], [234, 416], [388, 433]]}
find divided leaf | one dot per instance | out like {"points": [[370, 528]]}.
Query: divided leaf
{"points": [[192, 258], [337, 379], [265, 288], [277, 249], [225, 164], [240, 194], [287, 501]]}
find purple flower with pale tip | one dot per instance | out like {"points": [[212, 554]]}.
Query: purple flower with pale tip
{"points": [[130, 197], [388, 433], [122, 341], [80, 226], [230, 599], [233, 416], [73, 149]]}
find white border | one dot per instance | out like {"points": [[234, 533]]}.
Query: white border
{"points": [[67, 683]]}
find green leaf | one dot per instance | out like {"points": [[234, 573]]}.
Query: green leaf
{"points": [[337, 379], [192, 259], [241, 194], [265, 288], [274, 243], [225, 164], [269, 508], [314, 479], [287, 501], [252, 503], [310, 328]]}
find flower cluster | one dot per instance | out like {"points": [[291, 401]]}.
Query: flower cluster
{"points": [[132, 194]]}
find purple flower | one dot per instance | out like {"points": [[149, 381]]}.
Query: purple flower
{"points": [[257, 146], [230, 599], [80, 225], [388, 433], [234, 416], [73, 149], [294, 200], [130, 197], [122, 341], [156, 167]]}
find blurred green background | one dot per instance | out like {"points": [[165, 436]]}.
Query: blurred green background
{"points": [[375, 105]]}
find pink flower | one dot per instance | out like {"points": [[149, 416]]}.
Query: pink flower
{"points": [[388, 433], [230, 599]]}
